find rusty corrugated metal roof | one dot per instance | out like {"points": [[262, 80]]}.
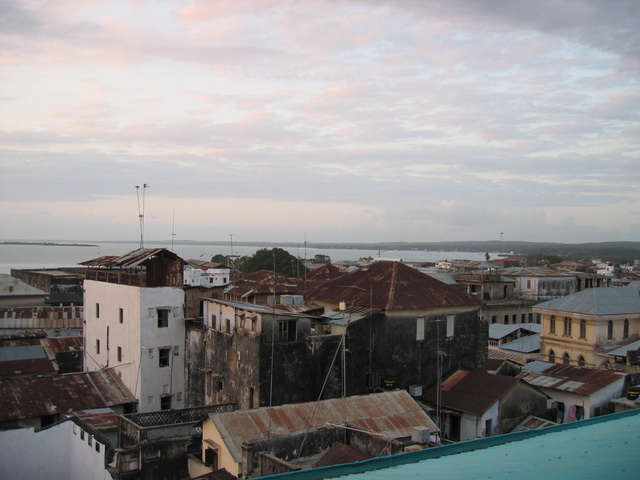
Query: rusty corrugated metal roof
{"points": [[318, 277], [131, 259], [24, 398], [261, 282], [472, 392], [338, 454], [393, 414], [102, 421], [579, 380], [62, 344], [390, 285]]}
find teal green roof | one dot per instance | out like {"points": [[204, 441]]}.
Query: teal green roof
{"points": [[597, 448]]}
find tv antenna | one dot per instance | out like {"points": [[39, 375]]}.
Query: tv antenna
{"points": [[141, 211]]}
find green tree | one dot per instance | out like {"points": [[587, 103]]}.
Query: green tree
{"points": [[285, 263], [319, 258], [219, 258]]}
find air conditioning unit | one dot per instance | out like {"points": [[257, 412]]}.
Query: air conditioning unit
{"points": [[420, 435], [415, 390]]}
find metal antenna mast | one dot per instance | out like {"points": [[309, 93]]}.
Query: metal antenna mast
{"points": [[141, 212]]}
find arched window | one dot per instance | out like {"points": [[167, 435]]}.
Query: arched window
{"points": [[552, 324], [567, 327], [610, 330], [581, 361], [583, 329], [625, 331], [565, 359], [552, 356]]}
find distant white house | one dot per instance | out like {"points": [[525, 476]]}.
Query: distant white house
{"points": [[206, 274]]}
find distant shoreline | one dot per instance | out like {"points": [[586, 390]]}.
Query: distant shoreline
{"points": [[50, 244]]}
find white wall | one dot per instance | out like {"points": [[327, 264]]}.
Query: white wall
{"points": [[155, 380], [56, 453], [140, 339]]}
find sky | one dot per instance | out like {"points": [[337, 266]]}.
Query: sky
{"points": [[326, 121]]}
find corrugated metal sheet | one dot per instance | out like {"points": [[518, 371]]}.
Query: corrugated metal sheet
{"points": [[390, 285], [128, 260], [261, 282], [473, 392], [24, 398], [582, 381], [597, 301], [393, 414]]}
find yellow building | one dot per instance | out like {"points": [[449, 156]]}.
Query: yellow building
{"points": [[582, 328]]}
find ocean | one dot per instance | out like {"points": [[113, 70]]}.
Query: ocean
{"points": [[25, 256]]}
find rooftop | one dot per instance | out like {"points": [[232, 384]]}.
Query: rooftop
{"points": [[24, 398], [391, 286], [472, 392], [579, 380], [597, 301], [393, 414], [593, 449]]}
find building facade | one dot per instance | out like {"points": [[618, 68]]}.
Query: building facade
{"points": [[134, 314]]}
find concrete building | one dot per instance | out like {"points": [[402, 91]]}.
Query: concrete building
{"points": [[198, 273], [398, 321], [135, 324], [477, 404], [576, 392], [597, 448], [541, 283], [253, 443], [582, 328], [72, 449]]}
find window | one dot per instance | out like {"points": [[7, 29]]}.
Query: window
{"points": [[119, 354], [583, 329], [625, 329], [552, 324], [286, 331], [567, 327], [609, 330], [211, 458], [97, 346], [163, 357], [213, 321], [97, 310], [163, 317], [552, 356], [494, 318], [121, 312], [506, 319], [420, 328], [97, 447], [514, 318], [227, 324], [581, 361], [565, 359], [81, 434], [90, 440], [165, 402]]}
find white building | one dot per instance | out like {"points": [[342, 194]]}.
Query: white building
{"points": [[69, 450], [134, 322], [206, 274]]}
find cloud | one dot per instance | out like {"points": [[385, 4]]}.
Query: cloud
{"points": [[399, 120]]}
